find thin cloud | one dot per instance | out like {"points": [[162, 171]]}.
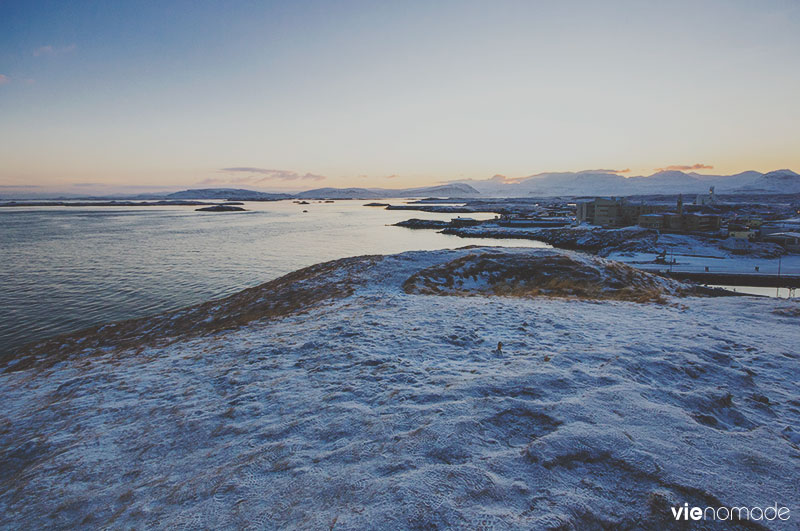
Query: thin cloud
{"points": [[275, 175], [254, 176], [678, 167], [506, 180], [626, 170], [503, 179], [496, 178], [50, 50], [6, 80]]}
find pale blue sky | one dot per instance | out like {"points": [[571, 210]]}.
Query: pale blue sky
{"points": [[391, 93]]}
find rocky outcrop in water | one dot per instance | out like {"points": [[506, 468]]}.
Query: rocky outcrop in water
{"points": [[415, 223], [221, 208]]}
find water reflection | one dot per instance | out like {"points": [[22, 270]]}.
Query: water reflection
{"points": [[66, 268]]}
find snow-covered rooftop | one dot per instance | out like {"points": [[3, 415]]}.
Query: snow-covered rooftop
{"points": [[784, 234]]}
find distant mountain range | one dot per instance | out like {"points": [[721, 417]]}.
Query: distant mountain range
{"points": [[665, 182], [225, 193], [447, 190], [583, 183]]}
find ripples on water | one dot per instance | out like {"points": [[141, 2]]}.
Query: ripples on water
{"points": [[67, 268]]}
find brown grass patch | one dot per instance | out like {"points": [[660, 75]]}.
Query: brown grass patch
{"points": [[536, 275]]}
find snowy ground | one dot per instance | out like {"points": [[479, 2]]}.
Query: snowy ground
{"points": [[391, 410], [640, 247], [694, 255]]}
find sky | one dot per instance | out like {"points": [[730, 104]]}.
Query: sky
{"points": [[124, 95]]}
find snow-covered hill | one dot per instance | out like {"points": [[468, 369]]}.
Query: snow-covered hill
{"points": [[224, 193], [457, 190], [370, 393], [778, 181], [666, 182]]}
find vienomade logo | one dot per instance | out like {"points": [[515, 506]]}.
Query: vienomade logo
{"points": [[769, 513]]}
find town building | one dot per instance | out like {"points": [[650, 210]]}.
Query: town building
{"points": [[611, 212], [680, 221], [744, 234], [788, 240], [652, 221], [618, 212], [671, 222], [706, 200], [737, 245], [783, 225], [701, 223]]}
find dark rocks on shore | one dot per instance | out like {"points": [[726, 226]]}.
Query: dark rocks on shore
{"points": [[221, 208], [101, 203], [415, 223], [258, 198], [434, 208], [376, 204], [595, 240]]}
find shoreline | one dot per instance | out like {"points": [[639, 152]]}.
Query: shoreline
{"points": [[12, 204], [694, 255]]}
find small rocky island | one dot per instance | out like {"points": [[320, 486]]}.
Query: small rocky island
{"points": [[221, 208]]}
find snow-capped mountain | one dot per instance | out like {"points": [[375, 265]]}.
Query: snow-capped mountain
{"points": [[567, 183], [664, 182], [223, 193], [445, 190], [778, 181], [737, 179]]}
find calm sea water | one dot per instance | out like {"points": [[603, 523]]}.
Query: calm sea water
{"points": [[67, 268]]}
